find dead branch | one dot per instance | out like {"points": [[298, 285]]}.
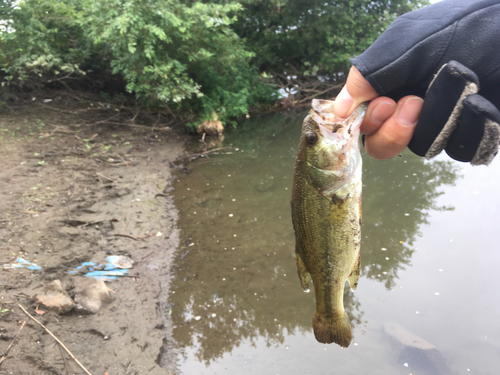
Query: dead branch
{"points": [[12, 342], [57, 340], [103, 176], [127, 236], [301, 90], [198, 155]]}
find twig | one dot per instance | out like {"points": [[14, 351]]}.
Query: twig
{"points": [[106, 120], [196, 156], [165, 128], [126, 235], [55, 338], [86, 224], [30, 212], [62, 129], [12, 342], [64, 359], [103, 176], [157, 121], [135, 116]]}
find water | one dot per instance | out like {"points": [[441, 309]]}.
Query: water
{"points": [[429, 263]]}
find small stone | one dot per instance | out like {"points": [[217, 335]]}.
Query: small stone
{"points": [[91, 294], [54, 297]]}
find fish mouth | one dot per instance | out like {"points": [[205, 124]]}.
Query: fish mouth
{"points": [[334, 129], [325, 117]]}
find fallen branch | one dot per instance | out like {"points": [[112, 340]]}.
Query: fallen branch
{"points": [[64, 359], [86, 224], [204, 153], [55, 338], [12, 342], [103, 176], [127, 236], [106, 120], [165, 128]]}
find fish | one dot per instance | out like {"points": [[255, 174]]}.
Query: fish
{"points": [[326, 215]]}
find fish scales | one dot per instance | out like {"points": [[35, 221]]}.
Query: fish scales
{"points": [[326, 215]]}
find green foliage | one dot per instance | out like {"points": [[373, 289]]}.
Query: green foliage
{"points": [[314, 37], [171, 52], [41, 40], [230, 95], [155, 44], [191, 56]]}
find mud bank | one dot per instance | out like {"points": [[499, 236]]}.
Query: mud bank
{"points": [[76, 189]]}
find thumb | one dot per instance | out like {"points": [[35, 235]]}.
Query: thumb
{"points": [[356, 91]]}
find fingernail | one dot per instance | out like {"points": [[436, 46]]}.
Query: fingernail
{"points": [[382, 112], [343, 103], [409, 111]]}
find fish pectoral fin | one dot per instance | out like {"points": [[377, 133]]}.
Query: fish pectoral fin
{"points": [[304, 276], [354, 276]]}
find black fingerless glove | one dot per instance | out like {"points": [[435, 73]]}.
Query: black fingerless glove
{"points": [[417, 55], [457, 119]]}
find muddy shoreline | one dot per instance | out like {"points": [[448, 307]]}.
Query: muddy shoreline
{"points": [[77, 189]]}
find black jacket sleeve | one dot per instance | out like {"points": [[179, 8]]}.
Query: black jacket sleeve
{"points": [[405, 58]]}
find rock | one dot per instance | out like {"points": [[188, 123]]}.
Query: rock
{"points": [[54, 297], [416, 351], [90, 294]]}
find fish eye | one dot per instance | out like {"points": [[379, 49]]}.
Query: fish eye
{"points": [[311, 138]]}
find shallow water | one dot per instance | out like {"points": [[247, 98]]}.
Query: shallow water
{"points": [[429, 263]]}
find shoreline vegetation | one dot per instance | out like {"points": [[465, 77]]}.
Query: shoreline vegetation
{"points": [[190, 62]]}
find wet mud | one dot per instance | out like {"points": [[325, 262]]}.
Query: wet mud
{"points": [[76, 189]]}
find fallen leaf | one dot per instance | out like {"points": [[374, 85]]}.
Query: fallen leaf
{"points": [[39, 312]]}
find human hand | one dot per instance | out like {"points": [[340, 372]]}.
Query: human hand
{"points": [[454, 117], [438, 52], [388, 126]]}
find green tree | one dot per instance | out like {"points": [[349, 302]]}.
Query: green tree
{"points": [[314, 37], [41, 40], [201, 57], [183, 55]]}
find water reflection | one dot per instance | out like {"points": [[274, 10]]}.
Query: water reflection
{"points": [[235, 277], [397, 197]]}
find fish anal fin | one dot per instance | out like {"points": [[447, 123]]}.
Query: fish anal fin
{"points": [[354, 276], [328, 329], [304, 276]]}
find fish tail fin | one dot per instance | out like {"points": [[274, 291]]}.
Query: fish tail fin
{"points": [[328, 329]]}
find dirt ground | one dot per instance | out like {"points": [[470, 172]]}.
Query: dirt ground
{"points": [[80, 181]]}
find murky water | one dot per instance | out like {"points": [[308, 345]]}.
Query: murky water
{"points": [[429, 263]]}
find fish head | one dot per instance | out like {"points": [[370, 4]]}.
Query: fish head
{"points": [[328, 153]]}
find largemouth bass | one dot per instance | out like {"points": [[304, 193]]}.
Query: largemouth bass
{"points": [[326, 215]]}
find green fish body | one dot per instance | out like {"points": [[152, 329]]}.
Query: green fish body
{"points": [[326, 215]]}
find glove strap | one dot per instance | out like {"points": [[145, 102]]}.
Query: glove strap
{"points": [[488, 148], [469, 88]]}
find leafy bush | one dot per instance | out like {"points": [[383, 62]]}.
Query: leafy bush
{"points": [[232, 94], [190, 56], [42, 40]]}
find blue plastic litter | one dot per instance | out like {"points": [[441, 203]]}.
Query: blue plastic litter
{"points": [[22, 263], [117, 266], [107, 275]]}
